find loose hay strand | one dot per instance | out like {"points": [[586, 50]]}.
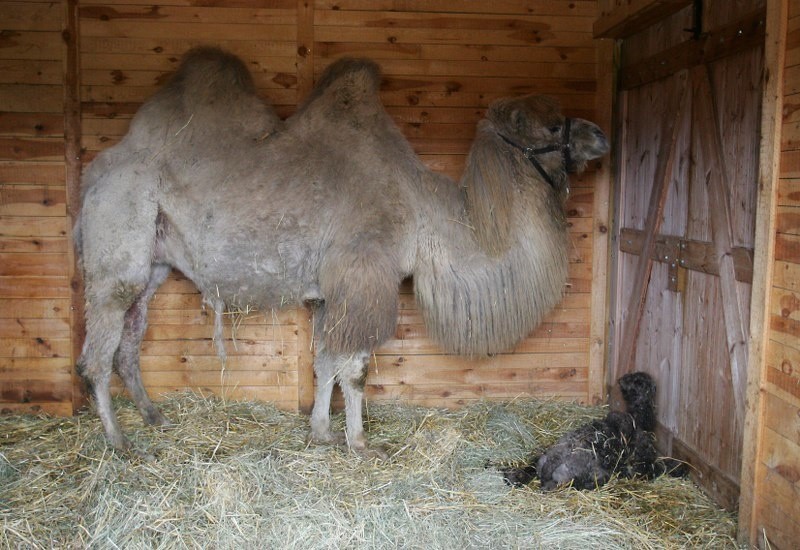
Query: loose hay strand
{"points": [[241, 475]]}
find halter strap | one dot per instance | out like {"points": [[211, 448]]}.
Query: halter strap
{"points": [[530, 152]]}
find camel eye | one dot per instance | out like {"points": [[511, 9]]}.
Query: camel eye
{"points": [[554, 129]]}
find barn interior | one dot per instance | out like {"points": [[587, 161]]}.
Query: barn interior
{"points": [[685, 241]]}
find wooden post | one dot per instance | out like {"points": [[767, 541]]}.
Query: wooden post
{"points": [[763, 261], [601, 214], [305, 360], [658, 197], [305, 49], [305, 82], [72, 162]]}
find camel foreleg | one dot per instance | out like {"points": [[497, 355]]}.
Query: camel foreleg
{"points": [[325, 371], [350, 372]]}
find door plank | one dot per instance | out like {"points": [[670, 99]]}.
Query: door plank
{"points": [[718, 193], [658, 196]]}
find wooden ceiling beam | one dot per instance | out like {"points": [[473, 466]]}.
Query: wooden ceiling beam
{"points": [[635, 16]]}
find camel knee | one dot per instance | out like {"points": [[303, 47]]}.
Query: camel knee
{"points": [[125, 293], [104, 324], [352, 372]]}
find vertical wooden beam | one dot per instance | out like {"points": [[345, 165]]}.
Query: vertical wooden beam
{"points": [[601, 213], [655, 211], [718, 197], [618, 293], [305, 82], [763, 261], [305, 49], [72, 162], [305, 360]]}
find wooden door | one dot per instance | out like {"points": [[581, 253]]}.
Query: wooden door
{"points": [[685, 214]]}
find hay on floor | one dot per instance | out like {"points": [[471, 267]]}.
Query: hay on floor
{"points": [[240, 475]]}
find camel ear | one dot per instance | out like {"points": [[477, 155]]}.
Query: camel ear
{"points": [[502, 112], [518, 121]]}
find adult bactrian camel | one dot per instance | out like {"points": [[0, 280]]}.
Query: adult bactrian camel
{"points": [[331, 208]]}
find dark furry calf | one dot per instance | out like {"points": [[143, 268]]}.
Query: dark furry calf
{"points": [[621, 443]]}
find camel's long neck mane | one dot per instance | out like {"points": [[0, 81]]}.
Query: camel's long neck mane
{"points": [[490, 279], [497, 179]]}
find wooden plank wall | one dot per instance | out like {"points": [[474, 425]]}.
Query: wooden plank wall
{"points": [[776, 506], [35, 334], [443, 61]]}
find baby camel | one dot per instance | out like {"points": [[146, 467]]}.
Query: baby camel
{"points": [[622, 443]]}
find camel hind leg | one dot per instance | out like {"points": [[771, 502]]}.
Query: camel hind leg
{"points": [[115, 323], [105, 320], [126, 360], [117, 231]]}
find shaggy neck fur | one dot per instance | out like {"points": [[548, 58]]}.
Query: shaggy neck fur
{"points": [[499, 268]]}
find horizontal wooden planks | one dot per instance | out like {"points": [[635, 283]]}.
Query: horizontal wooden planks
{"points": [[207, 32], [779, 472], [35, 333], [30, 16], [197, 14], [541, 8], [785, 319]]}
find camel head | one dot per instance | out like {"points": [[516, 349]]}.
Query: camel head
{"points": [[534, 125]]}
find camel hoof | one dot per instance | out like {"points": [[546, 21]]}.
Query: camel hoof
{"points": [[156, 418], [144, 456], [328, 438], [124, 448], [375, 452], [120, 443], [518, 477]]}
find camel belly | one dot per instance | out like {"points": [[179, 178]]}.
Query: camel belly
{"points": [[242, 270]]}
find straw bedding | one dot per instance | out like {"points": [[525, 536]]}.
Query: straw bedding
{"points": [[240, 475]]}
